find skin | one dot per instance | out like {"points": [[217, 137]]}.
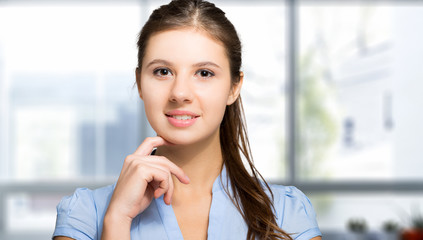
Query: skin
{"points": [[182, 69]]}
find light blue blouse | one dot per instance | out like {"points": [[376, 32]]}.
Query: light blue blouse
{"points": [[80, 216]]}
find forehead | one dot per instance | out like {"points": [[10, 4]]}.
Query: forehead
{"points": [[185, 46]]}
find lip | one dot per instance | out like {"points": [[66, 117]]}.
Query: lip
{"points": [[180, 123]]}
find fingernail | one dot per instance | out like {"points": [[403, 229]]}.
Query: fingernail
{"points": [[187, 177]]}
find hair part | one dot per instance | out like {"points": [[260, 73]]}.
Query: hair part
{"points": [[249, 192]]}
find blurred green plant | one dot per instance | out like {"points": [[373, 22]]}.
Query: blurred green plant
{"points": [[414, 219], [390, 226], [417, 221], [317, 128], [357, 225]]}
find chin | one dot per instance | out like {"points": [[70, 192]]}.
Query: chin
{"points": [[179, 142], [177, 138], [184, 138]]}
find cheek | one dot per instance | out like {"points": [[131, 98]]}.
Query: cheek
{"points": [[152, 108], [152, 99], [149, 107], [214, 101], [151, 90]]}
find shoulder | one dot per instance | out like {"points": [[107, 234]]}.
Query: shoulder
{"points": [[294, 212], [84, 198], [78, 215]]}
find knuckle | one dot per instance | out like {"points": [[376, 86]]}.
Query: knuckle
{"points": [[161, 159], [162, 174], [129, 158], [149, 142], [139, 167], [141, 171], [149, 139], [165, 177]]}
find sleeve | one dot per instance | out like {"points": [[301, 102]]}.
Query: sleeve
{"points": [[296, 216], [76, 216]]}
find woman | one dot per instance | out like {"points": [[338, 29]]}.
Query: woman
{"points": [[188, 75]]}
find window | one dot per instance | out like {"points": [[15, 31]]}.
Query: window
{"points": [[356, 121], [68, 107], [356, 92], [68, 95], [262, 31]]}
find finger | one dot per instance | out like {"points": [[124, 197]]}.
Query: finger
{"points": [[158, 180], [146, 147], [173, 168], [163, 188], [168, 195]]}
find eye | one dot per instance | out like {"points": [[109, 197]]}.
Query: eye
{"points": [[162, 72], [205, 73]]}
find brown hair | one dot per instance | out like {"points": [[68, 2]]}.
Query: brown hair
{"points": [[249, 194]]}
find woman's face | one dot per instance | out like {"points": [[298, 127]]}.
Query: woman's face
{"points": [[186, 85]]}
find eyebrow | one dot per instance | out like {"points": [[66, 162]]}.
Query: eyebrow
{"points": [[167, 63], [203, 64], [159, 61]]}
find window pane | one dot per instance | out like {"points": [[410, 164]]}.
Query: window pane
{"points": [[262, 32], [359, 79], [30, 213], [68, 105]]}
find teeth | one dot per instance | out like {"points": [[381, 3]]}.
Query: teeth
{"points": [[182, 117]]}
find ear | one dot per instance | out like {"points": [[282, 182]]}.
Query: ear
{"points": [[235, 90], [138, 79]]}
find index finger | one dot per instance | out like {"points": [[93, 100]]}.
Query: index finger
{"points": [[172, 167], [146, 147]]}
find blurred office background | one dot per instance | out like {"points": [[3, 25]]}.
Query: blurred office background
{"points": [[332, 93]]}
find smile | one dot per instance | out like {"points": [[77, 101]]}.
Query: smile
{"points": [[181, 118]]}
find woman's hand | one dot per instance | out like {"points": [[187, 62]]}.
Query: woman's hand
{"points": [[142, 177]]}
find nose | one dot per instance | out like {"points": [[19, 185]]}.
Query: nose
{"points": [[181, 91]]}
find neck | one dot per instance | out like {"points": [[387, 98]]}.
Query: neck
{"points": [[201, 161]]}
